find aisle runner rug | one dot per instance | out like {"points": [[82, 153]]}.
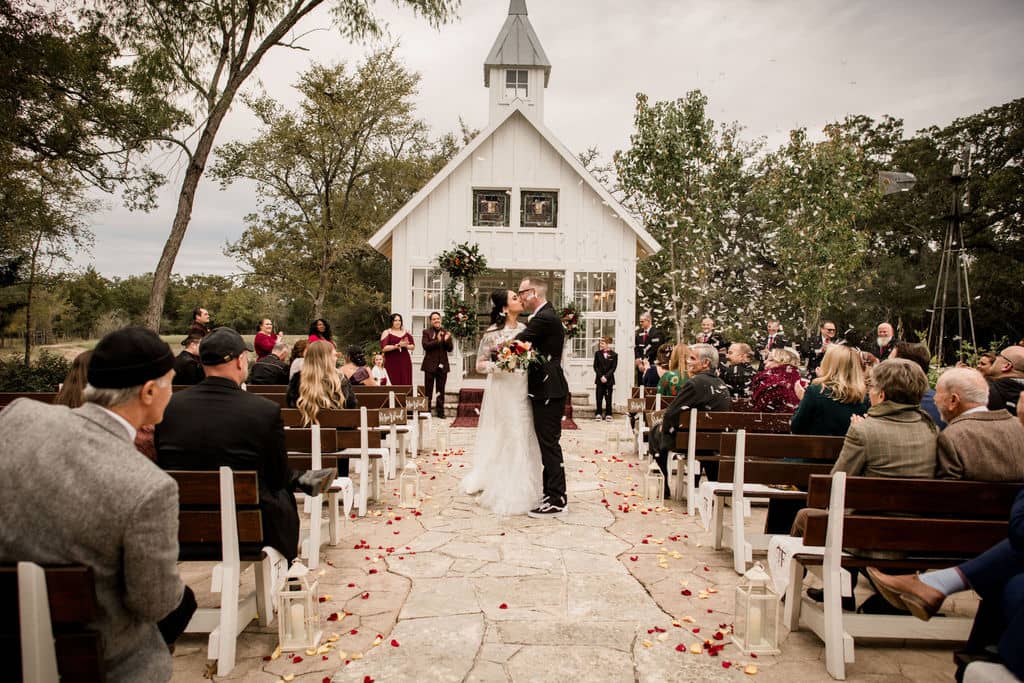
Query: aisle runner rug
{"points": [[468, 412]]}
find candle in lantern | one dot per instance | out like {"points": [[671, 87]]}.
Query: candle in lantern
{"points": [[297, 620], [755, 631]]}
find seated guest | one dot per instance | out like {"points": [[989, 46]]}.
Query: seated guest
{"points": [[105, 505], [703, 391], [882, 345], [986, 362], [272, 368], [978, 444], [265, 339], [320, 330], [298, 351], [216, 424], [354, 369], [832, 398], [187, 369], [1006, 379], [997, 575], [771, 390], [739, 371], [675, 377], [72, 390], [322, 385], [654, 373], [919, 353], [381, 377]]}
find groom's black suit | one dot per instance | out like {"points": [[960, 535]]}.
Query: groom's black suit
{"points": [[548, 392]]}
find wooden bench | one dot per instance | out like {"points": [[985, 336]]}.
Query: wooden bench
{"points": [[639, 408], [363, 443], [698, 431], [219, 520], [44, 630], [9, 397], [267, 388], [755, 465], [932, 523]]}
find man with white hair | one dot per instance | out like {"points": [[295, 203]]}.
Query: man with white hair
{"points": [[272, 368], [978, 444], [882, 345], [1007, 379]]}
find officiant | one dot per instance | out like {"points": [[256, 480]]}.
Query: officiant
{"points": [[437, 342]]}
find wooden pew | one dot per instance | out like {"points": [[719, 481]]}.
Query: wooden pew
{"points": [[44, 630], [698, 431], [364, 443], [9, 397], [753, 465], [267, 388], [219, 520], [933, 523]]}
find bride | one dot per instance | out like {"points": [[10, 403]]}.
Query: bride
{"points": [[506, 461]]}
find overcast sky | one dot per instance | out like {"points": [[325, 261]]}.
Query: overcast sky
{"points": [[771, 65]]}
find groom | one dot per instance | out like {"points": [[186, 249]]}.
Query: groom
{"points": [[548, 391]]}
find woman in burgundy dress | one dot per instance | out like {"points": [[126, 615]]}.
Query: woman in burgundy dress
{"points": [[397, 345]]}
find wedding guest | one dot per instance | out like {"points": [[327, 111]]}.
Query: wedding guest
{"points": [[200, 326], [835, 396], [107, 507], [397, 344], [605, 363], [265, 339], [71, 390], [773, 339], [815, 347], [272, 368], [740, 371], [298, 351], [379, 372], [320, 330], [1007, 379], [320, 387], [437, 342], [354, 369], [709, 335], [187, 369], [883, 344], [986, 362], [771, 390], [672, 381], [654, 373], [645, 348], [919, 353]]}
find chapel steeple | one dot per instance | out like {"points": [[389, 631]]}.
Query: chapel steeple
{"points": [[516, 69]]}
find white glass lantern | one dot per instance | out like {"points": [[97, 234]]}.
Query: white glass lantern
{"points": [[613, 440], [756, 624], [409, 485], [654, 485], [298, 610], [442, 437]]}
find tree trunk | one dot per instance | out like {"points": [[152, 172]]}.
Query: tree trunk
{"points": [[183, 215], [28, 299]]}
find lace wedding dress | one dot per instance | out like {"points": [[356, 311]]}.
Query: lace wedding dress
{"points": [[506, 460]]}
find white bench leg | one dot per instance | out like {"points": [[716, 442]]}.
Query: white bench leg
{"points": [[333, 518], [794, 597], [718, 520], [264, 591], [224, 638], [364, 473], [835, 648], [312, 549]]}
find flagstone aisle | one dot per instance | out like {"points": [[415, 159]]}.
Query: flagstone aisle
{"points": [[613, 592]]}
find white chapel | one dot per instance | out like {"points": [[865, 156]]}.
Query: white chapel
{"points": [[521, 195]]}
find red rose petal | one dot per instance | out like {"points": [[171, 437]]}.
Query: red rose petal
{"points": [[718, 635], [681, 647], [267, 658], [394, 643], [726, 664], [353, 632], [633, 558], [686, 591], [333, 616], [754, 655], [695, 630], [368, 679], [351, 585], [296, 660], [323, 599], [373, 571], [503, 606], [365, 596]]}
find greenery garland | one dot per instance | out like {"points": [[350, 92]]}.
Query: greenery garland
{"points": [[572, 319], [462, 263]]}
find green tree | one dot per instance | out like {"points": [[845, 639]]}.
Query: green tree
{"points": [[328, 175], [208, 50]]}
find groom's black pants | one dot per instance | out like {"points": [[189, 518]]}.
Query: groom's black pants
{"points": [[547, 422]]}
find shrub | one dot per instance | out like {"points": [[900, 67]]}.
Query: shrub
{"points": [[45, 374]]}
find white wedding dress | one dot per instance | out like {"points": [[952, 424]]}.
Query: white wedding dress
{"points": [[506, 460]]}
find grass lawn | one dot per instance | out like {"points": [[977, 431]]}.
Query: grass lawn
{"points": [[72, 348]]}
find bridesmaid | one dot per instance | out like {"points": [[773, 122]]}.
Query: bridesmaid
{"points": [[397, 345]]}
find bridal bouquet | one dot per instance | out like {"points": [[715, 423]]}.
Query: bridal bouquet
{"points": [[515, 356]]}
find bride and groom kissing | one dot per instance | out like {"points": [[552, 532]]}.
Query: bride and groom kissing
{"points": [[517, 462]]}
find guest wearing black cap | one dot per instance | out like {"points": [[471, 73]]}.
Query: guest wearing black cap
{"points": [[216, 424], [102, 503], [187, 369]]}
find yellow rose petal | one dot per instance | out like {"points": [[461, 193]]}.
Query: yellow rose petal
{"points": [[356, 655], [333, 638], [324, 649], [750, 669], [342, 655], [276, 653], [326, 598], [696, 649], [377, 641], [288, 678], [712, 590], [663, 637], [676, 623], [689, 620], [647, 643]]}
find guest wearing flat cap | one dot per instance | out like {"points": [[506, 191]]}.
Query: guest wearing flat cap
{"points": [[216, 424], [187, 369], [76, 491]]}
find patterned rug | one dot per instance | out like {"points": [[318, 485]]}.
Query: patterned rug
{"points": [[468, 412]]}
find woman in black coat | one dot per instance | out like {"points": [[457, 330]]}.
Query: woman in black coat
{"points": [[605, 363]]}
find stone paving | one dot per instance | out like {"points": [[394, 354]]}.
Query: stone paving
{"points": [[615, 591]]}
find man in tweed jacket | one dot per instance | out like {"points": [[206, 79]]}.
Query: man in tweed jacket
{"points": [[76, 491]]}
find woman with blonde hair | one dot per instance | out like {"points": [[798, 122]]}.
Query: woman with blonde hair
{"points": [[672, 381], [319, 386], [772, 390], [838, 393]]}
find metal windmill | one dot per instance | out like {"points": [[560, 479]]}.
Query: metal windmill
{"points": [[952, 299]]}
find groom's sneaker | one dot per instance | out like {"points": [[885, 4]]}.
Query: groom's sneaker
{"points": [[547, 509]]}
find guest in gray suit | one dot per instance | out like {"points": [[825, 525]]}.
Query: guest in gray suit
{"points": [[76, 491]]}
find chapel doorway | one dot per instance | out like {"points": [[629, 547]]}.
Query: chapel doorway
{"points": [[487, 283]]}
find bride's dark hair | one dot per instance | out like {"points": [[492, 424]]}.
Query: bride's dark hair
{"points": [[500, 300]]}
